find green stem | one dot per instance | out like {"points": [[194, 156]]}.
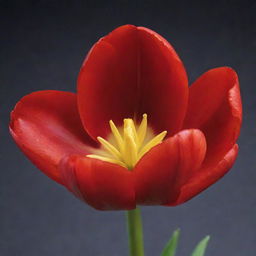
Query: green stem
{"points": [[135, 232]]}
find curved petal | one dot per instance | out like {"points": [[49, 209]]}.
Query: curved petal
{"points": [[205, 177], [130, 72], [46, 126], [103, 185], [215, 108], [161, 172]]}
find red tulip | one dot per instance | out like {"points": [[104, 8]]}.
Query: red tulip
{"points": [[132, 73]]}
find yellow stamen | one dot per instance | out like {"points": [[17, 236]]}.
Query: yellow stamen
{"points": [[108, 159], [142, 129], [116, 134], [109, 147], [134, 142], [155, 141]]}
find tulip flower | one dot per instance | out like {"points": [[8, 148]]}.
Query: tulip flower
{"points": [[134, 133]]}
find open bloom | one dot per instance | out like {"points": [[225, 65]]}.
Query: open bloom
{"points": [[135, 133]]}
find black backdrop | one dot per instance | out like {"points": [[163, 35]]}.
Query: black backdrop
{"points": [[43, 44]]}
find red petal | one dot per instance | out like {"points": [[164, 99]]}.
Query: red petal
{"points": [[130, 72], [103, 185], [67, 167], [161, 172], [206, 177], [46, 126], [215, 108]]}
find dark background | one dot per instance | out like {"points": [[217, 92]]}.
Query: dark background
{"points": [[43, 44]]}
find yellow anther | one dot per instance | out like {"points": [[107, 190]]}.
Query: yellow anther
{"points": [[116, 134], [132, 143], [109, 147], [142, 130], [108, 159], [152, 143]]}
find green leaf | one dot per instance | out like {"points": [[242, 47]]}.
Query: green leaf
{"points": [[201, 247], [171, 246]]}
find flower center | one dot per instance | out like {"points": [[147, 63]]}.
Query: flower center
{"points": [[126, 145]]}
